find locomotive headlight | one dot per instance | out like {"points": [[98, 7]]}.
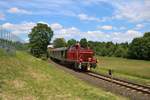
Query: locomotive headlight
{"points": [[80, 60], [89, 59]]}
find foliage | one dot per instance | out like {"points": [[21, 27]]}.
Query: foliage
{"points": [[84, 43], [109, 48], [39, 38], [147, 34], [121, 50], [140, 47], [59, 42], [71, 42], [21, 46]]}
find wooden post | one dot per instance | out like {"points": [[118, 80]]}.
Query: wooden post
{"points": [[110, 74]]}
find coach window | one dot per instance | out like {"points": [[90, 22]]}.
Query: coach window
{"points": [[61, 54]]}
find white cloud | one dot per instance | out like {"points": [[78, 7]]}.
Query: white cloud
{"points": [[134, 10], [109, 27], [17, 29], [133, 33], [114, 36], [97, 35], [2, 16], [16, 10], [56, 26], [122, 28], [73, 32], [88, 18], [125, 36], [61, 32], [139, 26], [66, 33], [42, 7], [105, 27]]}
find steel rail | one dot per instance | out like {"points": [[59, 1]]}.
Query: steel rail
{"points": [[134, 86]]}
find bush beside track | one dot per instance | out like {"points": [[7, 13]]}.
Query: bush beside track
{"points": [[25, 77]]}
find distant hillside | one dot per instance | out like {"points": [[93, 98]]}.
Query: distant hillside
{"points": [[28, 78]]}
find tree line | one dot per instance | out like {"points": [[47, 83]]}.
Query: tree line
{"points": [[41, 35], [139, 48]]}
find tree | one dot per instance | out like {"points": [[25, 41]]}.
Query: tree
{"points": [[39, 38], [84, 43], [140, 47], [59, 42], [91, 44], [71, 42], [147, 34], [120, 52], [110, 48], [20, 46]]}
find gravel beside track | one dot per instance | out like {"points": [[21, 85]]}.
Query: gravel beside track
{"points": [[105, 85], [134, 86]]}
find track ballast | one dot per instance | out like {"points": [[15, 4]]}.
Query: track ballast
{"points": [[127, 84]]}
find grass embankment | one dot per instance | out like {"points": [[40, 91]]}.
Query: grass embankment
{"points": [[28, 78], [133, 70]]}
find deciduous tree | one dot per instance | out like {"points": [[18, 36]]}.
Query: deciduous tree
{"points": [[71, 42], [84, 43], [39, 38], [59, 42]]}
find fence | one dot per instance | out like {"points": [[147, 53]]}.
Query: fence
{"points": [[8, 40]]}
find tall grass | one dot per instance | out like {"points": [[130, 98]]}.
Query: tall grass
{"points": [[23, 77], [4, 52], [134, 70]]}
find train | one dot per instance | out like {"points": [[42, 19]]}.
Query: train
{"points": [[78, 57]]}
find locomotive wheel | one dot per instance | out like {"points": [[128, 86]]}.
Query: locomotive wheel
{"points": [[84, 68]]}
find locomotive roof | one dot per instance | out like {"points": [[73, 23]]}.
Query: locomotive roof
{"points": [[60, 49]]}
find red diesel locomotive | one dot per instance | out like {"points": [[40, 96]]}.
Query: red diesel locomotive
{"points": [[80, 58]]}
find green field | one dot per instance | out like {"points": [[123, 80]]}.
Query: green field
{"points": [[23, 77], [133, 70]]}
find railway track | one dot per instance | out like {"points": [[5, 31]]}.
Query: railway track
{"points": [[102, 81], [127, 84]]}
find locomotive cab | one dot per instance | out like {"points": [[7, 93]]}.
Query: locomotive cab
{"points": [[84, 57]]}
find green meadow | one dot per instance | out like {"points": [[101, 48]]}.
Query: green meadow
{"points": [[132, 70], [23, 77]]}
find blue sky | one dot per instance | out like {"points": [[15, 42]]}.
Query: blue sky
{"points": [[97, 20]]}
